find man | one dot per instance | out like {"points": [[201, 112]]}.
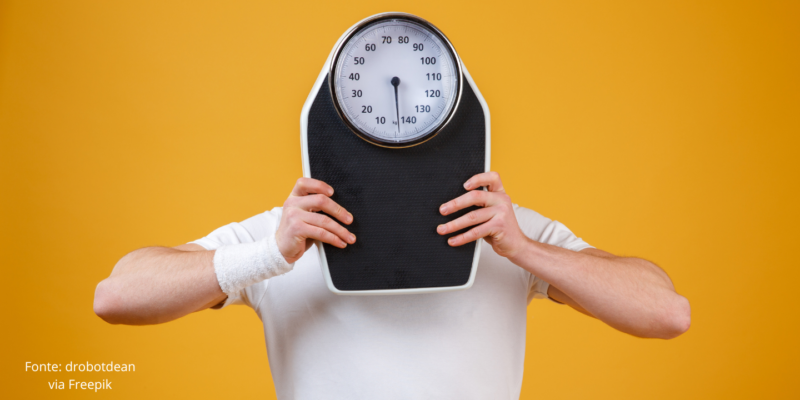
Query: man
{"points": [[467, 344]]}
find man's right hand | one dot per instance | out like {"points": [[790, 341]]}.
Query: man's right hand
{"points": [[301, 224]]}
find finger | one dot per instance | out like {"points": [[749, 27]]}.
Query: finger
{"points": [[329, 225], [318, 202], [490, 180], [474, 198], [471, 235], [471, 218], [317, 233], [306, 186]]}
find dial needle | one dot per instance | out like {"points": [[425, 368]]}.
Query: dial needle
{"points": [[396, 83]]}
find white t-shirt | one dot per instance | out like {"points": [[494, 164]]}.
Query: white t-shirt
{"points": [[466, 344]]}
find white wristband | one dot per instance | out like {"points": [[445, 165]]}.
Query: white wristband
{"points": [[241, 265]]}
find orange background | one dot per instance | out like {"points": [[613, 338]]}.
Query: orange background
{"points": [[666, 130]]}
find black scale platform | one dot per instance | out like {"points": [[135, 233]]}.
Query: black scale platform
{"points": [[394, 196]]}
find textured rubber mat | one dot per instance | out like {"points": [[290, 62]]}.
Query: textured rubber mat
{"points": [[394, 196]]}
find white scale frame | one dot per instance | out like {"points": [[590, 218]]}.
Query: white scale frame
{"points": [[307, 167]]}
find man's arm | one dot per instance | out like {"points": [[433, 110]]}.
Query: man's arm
{"points": [[630, 294], [159, 284]]}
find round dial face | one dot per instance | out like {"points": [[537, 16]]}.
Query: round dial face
{"points": [[396, 81]]}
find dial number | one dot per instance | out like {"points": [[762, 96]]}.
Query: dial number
{"points": [[433, 93]]}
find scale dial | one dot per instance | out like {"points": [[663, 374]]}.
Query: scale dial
{"points": [[396, 80]]}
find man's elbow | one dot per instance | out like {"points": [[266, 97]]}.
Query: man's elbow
{"points": [[106, 303], [677, 319]]}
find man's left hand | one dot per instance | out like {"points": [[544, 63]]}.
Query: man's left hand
{"points": [[496, 222]]}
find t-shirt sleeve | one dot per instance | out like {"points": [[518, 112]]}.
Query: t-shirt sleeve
{"points": [[248, 231], [545, 230]]}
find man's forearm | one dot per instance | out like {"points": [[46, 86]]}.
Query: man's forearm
{"points": [[158, 284], [629, 294]]}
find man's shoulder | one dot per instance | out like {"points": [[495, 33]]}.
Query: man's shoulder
{"points": [[250, 230], [545, 230], [262, 225], [531, 222]]}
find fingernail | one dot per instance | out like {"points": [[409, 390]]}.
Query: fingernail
{"points": [[352, 238], [443, 208], [330, 191], [440, 228], [466, 185], [451, 240], [350, 219]]}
